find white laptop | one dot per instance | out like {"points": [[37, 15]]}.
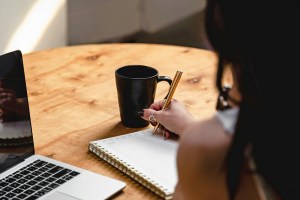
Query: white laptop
{"points": [[24, 175]]}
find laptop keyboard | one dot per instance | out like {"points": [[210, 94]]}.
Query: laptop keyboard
{"points": [[34, 180]]}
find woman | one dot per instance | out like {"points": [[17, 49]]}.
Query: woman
{"points": [[255, 135]]}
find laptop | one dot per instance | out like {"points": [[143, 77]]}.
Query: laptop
{"points": [[25, 175]]}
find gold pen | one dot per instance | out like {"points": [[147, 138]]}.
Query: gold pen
{"points": [[170, 95]]}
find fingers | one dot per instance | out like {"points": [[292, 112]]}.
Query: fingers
{"points": [[165, 132], [153, 116], [152, 119], [150, 115], [168, 119], [158, 105]]}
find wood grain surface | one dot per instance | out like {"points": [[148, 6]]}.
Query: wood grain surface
{"points": [[73, 98]]}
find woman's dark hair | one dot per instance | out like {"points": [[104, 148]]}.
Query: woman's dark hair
{"points": [[253, 38]]}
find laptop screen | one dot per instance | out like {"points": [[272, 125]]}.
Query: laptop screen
{"points": [[16, 142]]}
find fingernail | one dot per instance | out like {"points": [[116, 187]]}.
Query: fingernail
{"points": [[141, 113]]}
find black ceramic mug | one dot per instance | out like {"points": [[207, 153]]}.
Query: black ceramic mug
{"points": [[136, 86]]}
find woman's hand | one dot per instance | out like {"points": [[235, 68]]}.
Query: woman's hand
{"points": [[175, 118]]}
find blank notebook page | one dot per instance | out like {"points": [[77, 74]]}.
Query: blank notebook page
{"points": [[149, 154]]}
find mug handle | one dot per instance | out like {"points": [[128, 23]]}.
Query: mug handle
{"points": [[164, 78]]}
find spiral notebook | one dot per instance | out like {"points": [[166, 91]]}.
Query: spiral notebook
{"points": [[149, 159]]}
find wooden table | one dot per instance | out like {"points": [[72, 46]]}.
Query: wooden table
{"points": [[73, 98]]}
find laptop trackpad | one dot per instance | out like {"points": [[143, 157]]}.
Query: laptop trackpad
{"points": [[59, 196], [91, 186]]}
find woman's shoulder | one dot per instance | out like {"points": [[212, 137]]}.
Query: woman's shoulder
{"points": [[206, 135], [204, 144], [200, 160]]}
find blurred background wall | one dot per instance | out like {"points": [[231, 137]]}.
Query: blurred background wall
{"points": [[31, 25]]}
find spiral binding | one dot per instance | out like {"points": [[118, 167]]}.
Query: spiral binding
{"points": [[130, 171]]}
